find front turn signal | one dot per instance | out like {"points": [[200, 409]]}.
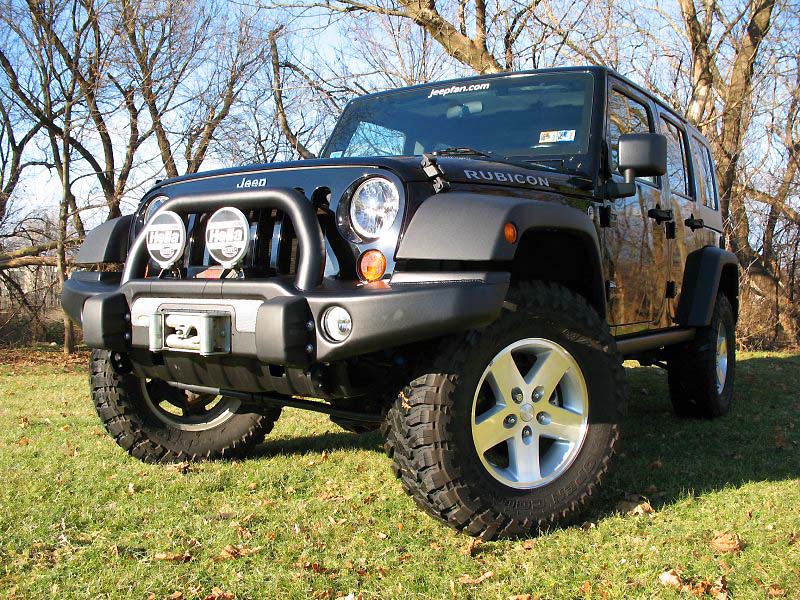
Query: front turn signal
{"points": [[510, 232], [372, 265]]}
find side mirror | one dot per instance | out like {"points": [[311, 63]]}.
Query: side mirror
{"points": [[642, 155]]}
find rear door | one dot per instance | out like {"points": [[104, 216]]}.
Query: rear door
{"points": [[688, 194], [636, 248]]}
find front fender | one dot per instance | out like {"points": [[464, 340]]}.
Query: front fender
{"points": [[469, 226], [463, 226], [106, 243]]}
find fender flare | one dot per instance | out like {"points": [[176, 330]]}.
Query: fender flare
{"points": [[702, 275], [106, 243], [468, 226]]}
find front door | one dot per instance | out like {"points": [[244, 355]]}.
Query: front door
{"points": [[636, 247]]}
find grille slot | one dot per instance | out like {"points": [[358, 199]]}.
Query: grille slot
{"points": [[273, 245]]}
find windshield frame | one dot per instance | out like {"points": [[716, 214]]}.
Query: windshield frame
{"points": [[584, 163]]}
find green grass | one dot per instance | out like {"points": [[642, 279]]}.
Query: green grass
{"points": [[328, 518]]}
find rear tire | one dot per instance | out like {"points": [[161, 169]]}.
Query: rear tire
{"points": [[451, 465], [131, 412], [701, 373]]}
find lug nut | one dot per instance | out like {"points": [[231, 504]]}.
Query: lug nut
{"points": [[310, 325], [510, 421], [538, 393], [526, 432], [309, 348], [543, 418], [517, 396]]}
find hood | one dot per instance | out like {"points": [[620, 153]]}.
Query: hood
{"points": [[313, 173]]}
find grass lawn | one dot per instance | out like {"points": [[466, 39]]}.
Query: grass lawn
{"points": [[316, 513]]}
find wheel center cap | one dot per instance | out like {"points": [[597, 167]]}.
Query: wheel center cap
{"points": [[526, 412]]}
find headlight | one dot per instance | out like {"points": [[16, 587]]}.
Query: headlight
{"points": [[374, 207], [154, 205]]}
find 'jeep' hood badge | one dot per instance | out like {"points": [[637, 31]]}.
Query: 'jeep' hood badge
{"points": [[227, 236]]}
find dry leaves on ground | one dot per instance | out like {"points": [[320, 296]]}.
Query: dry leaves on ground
{"points": [[217, 594], [230, 552], [472, 546], [775, 591], [718, 589], [634, 505], [725, 542], [467, 580], [181, 467], [173, 556]]}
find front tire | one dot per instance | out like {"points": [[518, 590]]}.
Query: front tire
{"points": [[517, 425], [157, 423], [701, 373]]}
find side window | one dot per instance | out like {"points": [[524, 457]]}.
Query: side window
{"points": [[711, 180], [677, 169], [625, 115], [703, 176]]}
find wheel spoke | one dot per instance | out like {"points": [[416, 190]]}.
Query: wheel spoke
{"points": [[523, 459], [549, 369], [503, 377], [564, 424], [489, 429]]}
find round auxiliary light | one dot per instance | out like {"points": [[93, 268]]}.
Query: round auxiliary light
{"points": [[166, 238], [337, 323], [374, 207], [227, 236], [372, 265]]}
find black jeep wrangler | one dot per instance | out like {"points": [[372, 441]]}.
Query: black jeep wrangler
{"points": [[466, 267]]}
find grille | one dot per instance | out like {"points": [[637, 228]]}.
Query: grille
{"points": [[273, 245]]}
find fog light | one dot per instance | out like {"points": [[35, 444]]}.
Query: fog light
{"points": [[372, 265], [337, 323]]}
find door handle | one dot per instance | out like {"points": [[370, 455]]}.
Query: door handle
{"points": [[693, 223], [660, 214]]}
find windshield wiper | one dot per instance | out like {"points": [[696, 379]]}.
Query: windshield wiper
{"points": [[467, 151], [463, 151]]}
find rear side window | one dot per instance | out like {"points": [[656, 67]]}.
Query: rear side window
{"points": [[677, 165], [625, 115], [704, 174], [711, 181]]}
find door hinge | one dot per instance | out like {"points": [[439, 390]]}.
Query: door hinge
{"points": [[693, 223], [607, 216], [672, 289], [660, 214]]}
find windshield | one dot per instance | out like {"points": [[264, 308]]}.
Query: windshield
{"points": [[519, 116]]}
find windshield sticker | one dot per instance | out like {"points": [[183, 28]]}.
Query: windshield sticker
{"points": [[458, 89], [553, 137]]}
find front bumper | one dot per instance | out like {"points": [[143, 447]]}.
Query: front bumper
{"points": [[276, 323]]}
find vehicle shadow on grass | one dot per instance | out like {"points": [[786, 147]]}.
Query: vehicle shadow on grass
{"points": [[665, 458], [328, 441]]}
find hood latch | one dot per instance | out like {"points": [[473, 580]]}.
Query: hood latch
{"points": [[434, 172]]}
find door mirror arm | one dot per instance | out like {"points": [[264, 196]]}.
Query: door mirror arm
{"points": [[615, 189]]}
